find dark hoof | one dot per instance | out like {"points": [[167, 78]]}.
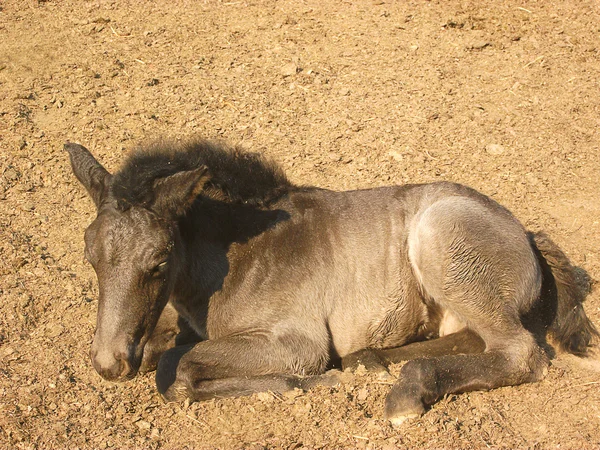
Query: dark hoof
{"points": [[155, 349], [169, 386], [402, 403], [148, 365]]}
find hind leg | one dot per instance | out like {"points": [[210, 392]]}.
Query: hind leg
{"points": [[377, 360], [424, 381], [239, 365], [475, 261]]}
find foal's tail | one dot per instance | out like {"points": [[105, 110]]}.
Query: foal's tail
{"points": [[569, 326]]}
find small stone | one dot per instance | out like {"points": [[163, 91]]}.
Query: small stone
{"points": [[334, 156], [361, 370], [386, 377], [396, 155], [101, 20], [531, 179], [362, 395], [494, 149], [54, 331], [11, 175], [293, 394], [265, 397], [143, 425], [301, 408], [289, 69], [7, 351], [478, 45], [25, 299]]}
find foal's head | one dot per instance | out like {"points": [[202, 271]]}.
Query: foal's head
{"points": [[135, 251]]}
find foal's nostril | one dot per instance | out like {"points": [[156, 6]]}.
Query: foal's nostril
{"points": [[124, 365]]}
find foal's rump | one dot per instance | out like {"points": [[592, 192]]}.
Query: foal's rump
{"points": [[475, 262], [474, 259]]}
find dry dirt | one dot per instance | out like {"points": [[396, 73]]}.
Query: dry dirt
{"points": [[499, 95]]}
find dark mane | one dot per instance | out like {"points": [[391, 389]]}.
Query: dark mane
{"points": [[236, 176]]}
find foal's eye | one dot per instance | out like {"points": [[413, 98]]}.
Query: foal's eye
{"points": [[159, 269]]}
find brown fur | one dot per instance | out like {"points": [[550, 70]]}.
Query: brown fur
{"points": [[277, 282]]}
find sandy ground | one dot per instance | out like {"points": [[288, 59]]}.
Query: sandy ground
{"points": [[502, 96]]}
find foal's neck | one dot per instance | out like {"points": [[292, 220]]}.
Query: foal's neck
{"points": [[207, 235], [225, 223]]}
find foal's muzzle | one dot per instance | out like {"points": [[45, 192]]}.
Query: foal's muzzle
{"points": [[112, 366]]}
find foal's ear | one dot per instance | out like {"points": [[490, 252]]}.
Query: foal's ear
{"points": [[175, 194], [89, 172]]}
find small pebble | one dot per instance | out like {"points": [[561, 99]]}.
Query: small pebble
{"points": [[478, 45], [396, 155], [494, 149], [54, 331], [362, 395], [11, 175], [289, 69], [143, 425], [265, 397], [293, 394]]}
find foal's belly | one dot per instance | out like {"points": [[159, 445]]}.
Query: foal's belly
{"points": [[381, 323]]}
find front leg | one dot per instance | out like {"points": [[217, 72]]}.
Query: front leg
{"points": [[241, 365], [171, 330]]}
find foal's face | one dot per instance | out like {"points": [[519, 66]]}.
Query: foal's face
{"points": [[132, 254]]}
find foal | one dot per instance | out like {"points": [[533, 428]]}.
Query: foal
{"points": [[269, 282]]}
